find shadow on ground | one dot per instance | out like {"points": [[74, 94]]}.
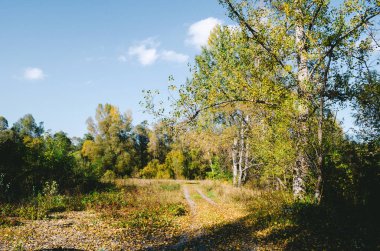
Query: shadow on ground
{"points": [[300, 227]]}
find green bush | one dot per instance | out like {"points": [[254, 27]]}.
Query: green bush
{"points": [[109, 176], [113, 200], [177, 209]]}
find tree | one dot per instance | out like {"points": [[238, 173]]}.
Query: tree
{"points": [[3, 123], [310, 41], [28, 126], [141, 138], [160, 141], [113, 146], [232, 99], [367, 104]]}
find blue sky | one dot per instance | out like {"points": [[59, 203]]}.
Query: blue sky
{"points": [[60, 59]]}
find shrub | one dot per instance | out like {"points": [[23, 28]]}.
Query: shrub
{"points": [[109, 176], [177, 209]]}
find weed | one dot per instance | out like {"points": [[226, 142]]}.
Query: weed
{"points": [[177, 209]]}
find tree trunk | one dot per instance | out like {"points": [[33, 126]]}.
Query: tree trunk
{"points": [[234, 161], [302, 164], [241, 153], [246, 160], [318, 187], [246, 164]]}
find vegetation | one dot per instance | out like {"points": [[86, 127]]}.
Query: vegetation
{"points": [[257, 112]]}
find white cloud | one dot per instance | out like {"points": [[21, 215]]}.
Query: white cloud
{"points": [[199, 32], [147, 53], [32, 73], [173, 56], [146, 56]]}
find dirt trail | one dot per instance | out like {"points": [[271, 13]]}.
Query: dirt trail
{"points": [[200, 229], [189, 200], [205, 197], [201, 214], [186, 236]]}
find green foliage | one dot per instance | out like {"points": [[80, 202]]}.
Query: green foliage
{"points": [[28, 126], [170, 187], [367, 104], [175, 161], [3, 123], [113, 144], [109, 176], [217, 173], [106, 200], [151, 170]]}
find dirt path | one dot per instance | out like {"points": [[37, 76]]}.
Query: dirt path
{"points": [[203, 214], [207, 217], [202, 228], [189, 200], [205, 197]]}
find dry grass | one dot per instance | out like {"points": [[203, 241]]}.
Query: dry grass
{"points": [[136, 214], [153, 214]]}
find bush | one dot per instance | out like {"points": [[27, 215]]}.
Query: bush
{"points": [[104, 200], [109, 176], [177, 209]]}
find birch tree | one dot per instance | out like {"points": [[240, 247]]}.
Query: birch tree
{"points": [[311, 41]]}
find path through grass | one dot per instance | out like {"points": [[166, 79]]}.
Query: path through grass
{"points": [[178, 215]]}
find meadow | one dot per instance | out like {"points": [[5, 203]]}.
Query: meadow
{"points": [[143, 214]]}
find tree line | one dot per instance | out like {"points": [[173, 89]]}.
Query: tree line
{"points": [[30, 156], [258, 108], [263, 94]]}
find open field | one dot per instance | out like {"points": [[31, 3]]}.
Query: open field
{"points": [[169, 215]]}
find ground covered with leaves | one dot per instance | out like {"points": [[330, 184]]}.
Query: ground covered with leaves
{"points": [[180, 215]]}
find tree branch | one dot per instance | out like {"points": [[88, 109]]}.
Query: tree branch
{"points": [[227, 102], [339, 39], [256, 36]]}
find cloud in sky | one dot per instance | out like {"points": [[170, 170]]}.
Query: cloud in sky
{"points": [[147, 52], [173, 56], [33, 73], [145, 55], [199, 32]]}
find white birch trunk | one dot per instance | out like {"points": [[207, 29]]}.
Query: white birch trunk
{"points": [[301, 167], [234, 161]]}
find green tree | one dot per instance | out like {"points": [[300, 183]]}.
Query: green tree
{"points": [[141, 138], [311, 42], [367, 106], [3, 123], [113, 146], [28, 126]]}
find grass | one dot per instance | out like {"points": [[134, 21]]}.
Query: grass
{"points": [[170, 187], [275, 222], [155, 212], [128, 200]]}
